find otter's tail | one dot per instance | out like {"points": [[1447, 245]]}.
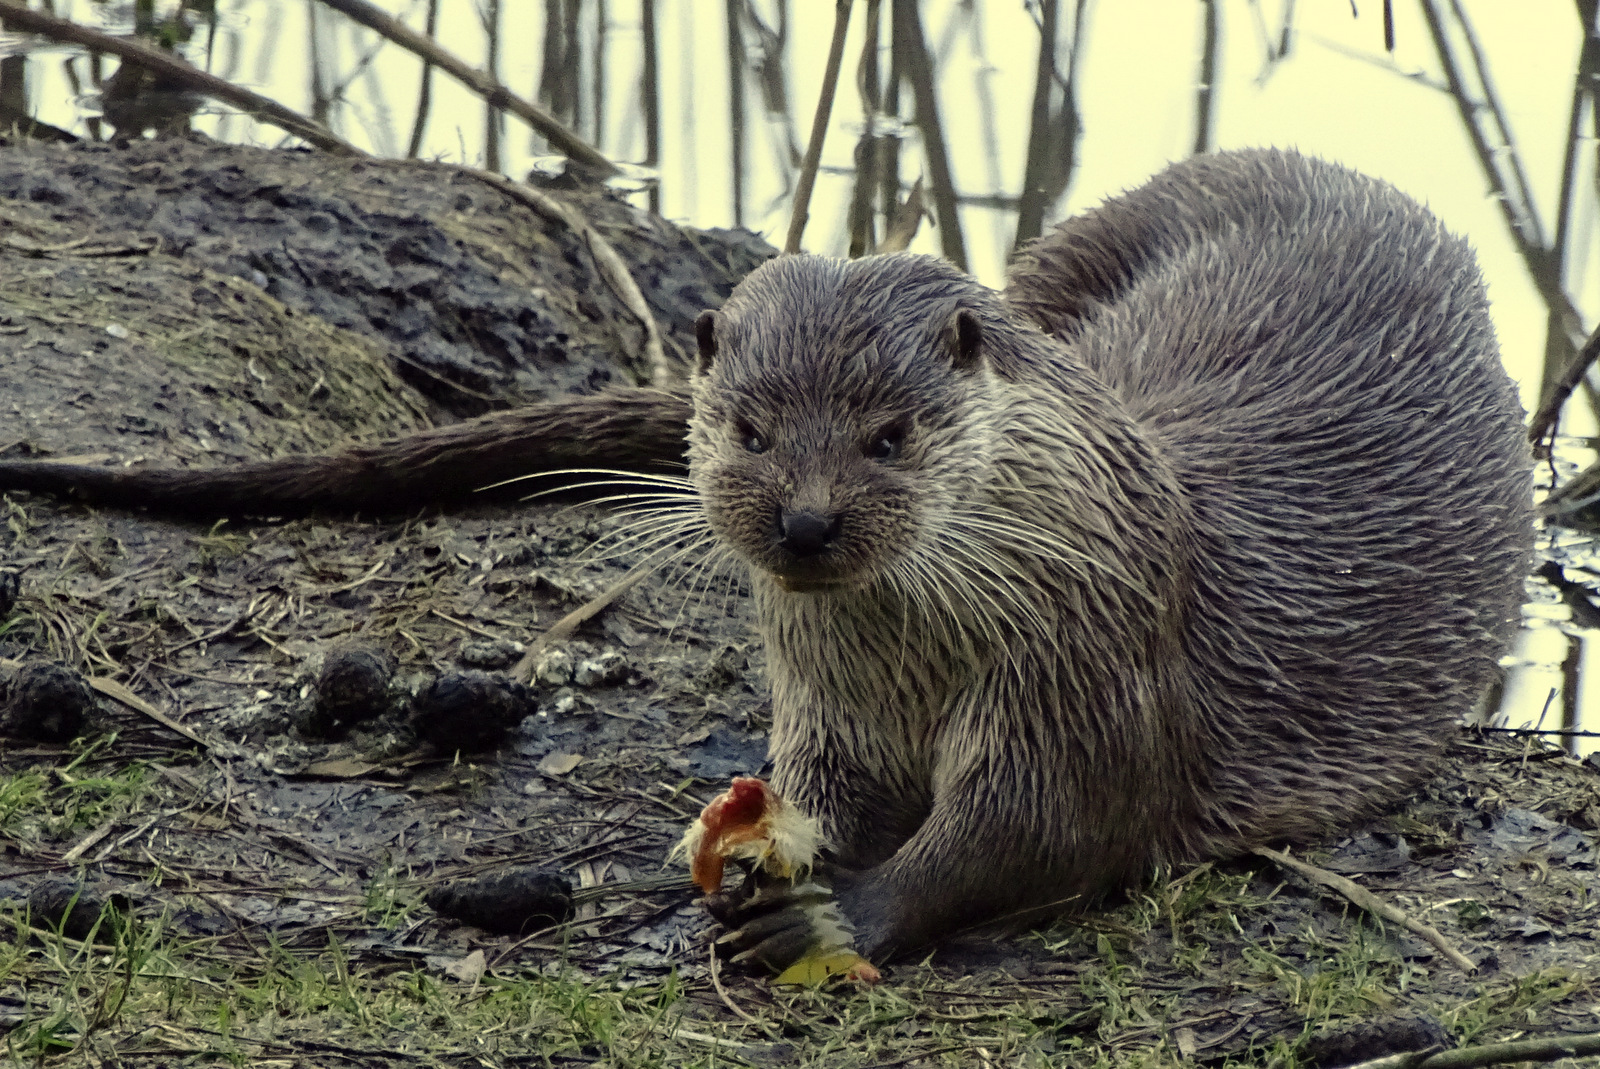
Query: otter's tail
{"points": [[634, 429]]}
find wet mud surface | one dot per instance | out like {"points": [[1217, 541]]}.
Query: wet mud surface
{"points": [[216, 783]]}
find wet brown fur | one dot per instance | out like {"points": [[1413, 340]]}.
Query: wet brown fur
{"points": [[1198, 537], [1215, 565], [636, 428]]}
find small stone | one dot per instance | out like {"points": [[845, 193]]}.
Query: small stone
{"points": [[604, 669], [489, 653], [554, 667]]}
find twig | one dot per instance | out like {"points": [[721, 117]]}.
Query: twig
{"points": [[611, 266], [1522, 1050], [819, 126], [1497, 112], [1556, 390], [908, 37], [650, 97], [727, 1000], [1588, 68], [1030, 203], [425, 93], [489, 14], [1205, 101], [863, 238], [983, 75], [117, 692], [1560, 733], [522, 671], [166, 65], [889, 147], [496, 94], [1371, 903], [598, 75], [1544, 420], [473, 628], [736, 132], [902, 226], [1523, 224], [87, 843]]}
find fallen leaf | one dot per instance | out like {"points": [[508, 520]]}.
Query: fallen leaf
{"points": [[559, 764], [823, 965], [340, 768], [469, 970]]}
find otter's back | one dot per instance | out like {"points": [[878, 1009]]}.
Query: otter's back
{"points": [[1313, 352]]}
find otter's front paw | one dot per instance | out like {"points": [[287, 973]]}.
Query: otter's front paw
{"points": [[793, 928]]}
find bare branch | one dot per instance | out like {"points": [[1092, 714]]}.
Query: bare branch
{"points": [[650, 92], [863, 236], [1508, 190], [819, 126], [497, 95], [1205, 100], [736, 133], [1556, 396], [425, 94], [919, 70], [1030, 213]]}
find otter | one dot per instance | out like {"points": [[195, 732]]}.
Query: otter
{"points": [[1197, 537]]}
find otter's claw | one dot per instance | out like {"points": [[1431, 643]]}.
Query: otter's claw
{"points": [[794, 929], [779, 924]]}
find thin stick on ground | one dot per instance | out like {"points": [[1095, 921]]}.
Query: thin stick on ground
{"points": [[117, 692], [1370, 902], [497, 95], [563, 628], [727, 999], [819, 126], [1522, 1050], [166, 65]]}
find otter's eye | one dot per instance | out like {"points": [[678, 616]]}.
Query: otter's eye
{"points": [[885, 445], [748, 436]]}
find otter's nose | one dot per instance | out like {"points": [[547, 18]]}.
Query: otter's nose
{"points": [[805, 533]]}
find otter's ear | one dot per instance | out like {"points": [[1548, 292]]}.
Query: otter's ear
{"points": [[963, 340], [705, 333]]}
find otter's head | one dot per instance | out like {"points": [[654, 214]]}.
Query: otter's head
{"points": [[839, 411]]}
